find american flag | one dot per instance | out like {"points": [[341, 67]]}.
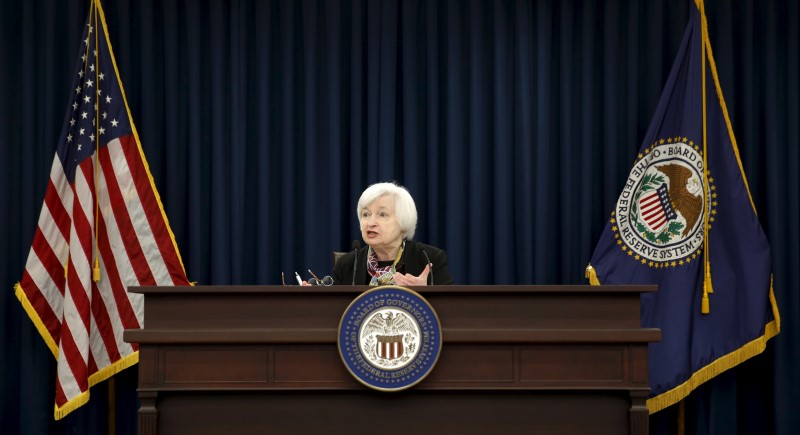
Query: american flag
{"points": [[101, 213]]}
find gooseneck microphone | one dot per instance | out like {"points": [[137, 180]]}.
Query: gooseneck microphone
{"points": [[356, 247], [431, 265]]}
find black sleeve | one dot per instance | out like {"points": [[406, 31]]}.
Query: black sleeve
{"points": [[343, 269], [441, 275]]}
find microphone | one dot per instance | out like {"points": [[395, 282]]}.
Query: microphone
{"points": [[356, 247], [431, 265]]}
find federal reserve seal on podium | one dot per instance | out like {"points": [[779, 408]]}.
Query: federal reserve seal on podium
{"points": [[390, 338]]}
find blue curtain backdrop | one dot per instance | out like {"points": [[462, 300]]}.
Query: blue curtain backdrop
{"points": [[512, 123]]}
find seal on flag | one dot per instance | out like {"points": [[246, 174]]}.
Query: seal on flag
{"points": [[389, 338], [659, 214]]}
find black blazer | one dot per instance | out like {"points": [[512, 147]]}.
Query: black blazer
{"points": [[413, 262]]}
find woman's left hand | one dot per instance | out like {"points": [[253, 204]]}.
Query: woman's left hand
{"points": [[409, 279]]}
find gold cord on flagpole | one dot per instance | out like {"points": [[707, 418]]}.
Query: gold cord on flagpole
{"points": [[707, 288], [96, 268]]}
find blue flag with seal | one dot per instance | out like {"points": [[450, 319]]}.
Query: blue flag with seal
{"points": [[685, 220]]}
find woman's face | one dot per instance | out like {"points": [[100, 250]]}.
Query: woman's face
{"points": [[379, 227]]}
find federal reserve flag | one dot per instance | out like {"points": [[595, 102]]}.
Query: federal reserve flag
{"points": [[102, 228], [685, 221]]}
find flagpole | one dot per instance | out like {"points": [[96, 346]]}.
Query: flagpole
{"points": [[707, 288], [112, 406], [96, 268], [112, 390]]}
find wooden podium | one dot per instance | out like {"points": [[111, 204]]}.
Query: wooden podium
{"points": [[514, 359]]}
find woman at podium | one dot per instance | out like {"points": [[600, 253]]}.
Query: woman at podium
{"points": [[388, 218]]}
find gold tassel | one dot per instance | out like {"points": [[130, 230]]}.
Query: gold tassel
{"points": [[96, 270], [707, 289], [591, 275]]}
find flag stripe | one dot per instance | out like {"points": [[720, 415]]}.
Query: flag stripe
{"points": [[76, 295], [91, 365], [103, 327], [36, 278], [659, 223], [112, 284], [649, 199], [83, 213], [58, 213], [44, 308], [72, 371], [61, 396], [46, 262], [112, 288], [117, 269], [80, 273], [172, 270], [649, 210], [119, 206]]}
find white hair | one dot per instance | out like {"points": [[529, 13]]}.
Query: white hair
{"points": [[404, 207]]}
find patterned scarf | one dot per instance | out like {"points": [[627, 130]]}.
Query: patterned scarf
{"points": [[382, 275]]}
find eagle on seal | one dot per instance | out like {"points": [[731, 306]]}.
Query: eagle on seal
{"points": [[389, 325], [683, 193]]}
